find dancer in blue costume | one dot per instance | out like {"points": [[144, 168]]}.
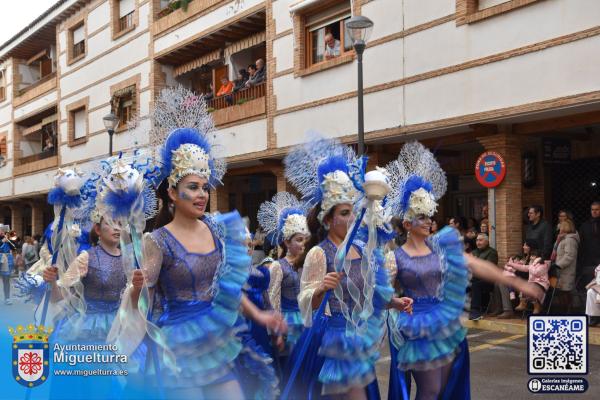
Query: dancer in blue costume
{"points": [[338, 354], [284, 222], [431, 343], [88, 295], [198, 265], [257, 291]]}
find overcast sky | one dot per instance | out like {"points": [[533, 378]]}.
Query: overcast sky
{"points": [[18, 14]]}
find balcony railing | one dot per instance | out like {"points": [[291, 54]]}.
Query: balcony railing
{"points": [[173, 5], [126, 21], [39, 156], [40, 81], [238, 98], [78, 49]]}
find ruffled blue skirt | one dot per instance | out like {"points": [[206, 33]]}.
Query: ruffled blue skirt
{"points": [[209, 352], [93, 330], [333, 363], [293, 318], [259, 333]]}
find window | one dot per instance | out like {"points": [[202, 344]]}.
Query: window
{"points": [[3, 150], [123, 17], [126, 9], [2, 85], [321, 35], [326, 36], [124, 105], [77, 122], [76, 42], [470, 11]]}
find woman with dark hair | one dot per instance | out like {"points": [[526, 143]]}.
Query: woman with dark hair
{"points": [[199, 264], [435, 226], [339, 348], [241, 80], [88, 295], [431, 344], [284, 222]]}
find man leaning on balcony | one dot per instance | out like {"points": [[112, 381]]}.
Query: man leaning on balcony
{"points": [[259, 76]]}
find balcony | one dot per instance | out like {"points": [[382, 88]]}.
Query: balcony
{"points": [[35, 89], [238, 106], [36, 143]]}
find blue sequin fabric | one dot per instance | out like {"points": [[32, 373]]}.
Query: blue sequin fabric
{"points": [[290, 282], [185, 276]]}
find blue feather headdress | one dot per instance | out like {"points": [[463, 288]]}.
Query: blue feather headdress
{"points": [[282, 218], [325, 171], [127, 188], [188, 152], [417, 182], [182, 128]]}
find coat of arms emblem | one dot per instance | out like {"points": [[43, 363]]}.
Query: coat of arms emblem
{"points": [[30, 354]]}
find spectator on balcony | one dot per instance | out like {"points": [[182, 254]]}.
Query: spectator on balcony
{"points": [[332, 47], [49, 143], [210, 95], [226, 87], [260, 74], [241, 80]]}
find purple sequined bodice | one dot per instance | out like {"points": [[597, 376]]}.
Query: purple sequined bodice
{"points": [[330, 249], [419, 276], [185, 276], [290, 282], [105, 279]]}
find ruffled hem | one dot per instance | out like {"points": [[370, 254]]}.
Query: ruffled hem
{"points": [[93, 328], [424, 354], [255, 371], [205, 343], [295, 327]]}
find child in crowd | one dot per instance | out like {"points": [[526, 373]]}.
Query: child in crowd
{"points": [[538, 274]]}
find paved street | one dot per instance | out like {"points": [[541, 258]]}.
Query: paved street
{"points": [[499, 368], [498, 362]]}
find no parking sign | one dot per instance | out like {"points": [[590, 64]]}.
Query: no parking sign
{"points": [[490, 169]]}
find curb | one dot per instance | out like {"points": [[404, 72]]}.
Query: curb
{"points": [[518, 327]]}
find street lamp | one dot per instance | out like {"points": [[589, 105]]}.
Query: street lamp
{"points": [[359, 28], [110, 123]]}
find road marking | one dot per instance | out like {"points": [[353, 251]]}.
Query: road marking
{"points": [[495, 342]]}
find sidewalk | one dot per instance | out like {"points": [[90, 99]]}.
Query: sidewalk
{"points": [[518, 326]]}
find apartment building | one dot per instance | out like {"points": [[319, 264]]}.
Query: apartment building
{"points": [[517, 77]]}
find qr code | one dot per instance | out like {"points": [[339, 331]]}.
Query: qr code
{"points": [[557, 344]]}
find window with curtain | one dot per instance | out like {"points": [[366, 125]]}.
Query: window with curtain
{"points": [[123, 105], [126, 10], [326, 36], [78, 41], [79, 123]]}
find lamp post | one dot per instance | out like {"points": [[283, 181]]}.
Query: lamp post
{"points": [[110, 123], [359, 28]]}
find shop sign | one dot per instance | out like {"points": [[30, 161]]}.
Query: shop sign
{"points": [[490, 169]]}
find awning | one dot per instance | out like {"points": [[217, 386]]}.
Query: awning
{"points": [[197, 63], [245, 43]]}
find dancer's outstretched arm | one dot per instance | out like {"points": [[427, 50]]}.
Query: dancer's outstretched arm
{"points": [[489, 272], [270, 320]]}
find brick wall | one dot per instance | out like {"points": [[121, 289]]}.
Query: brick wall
{"points": [[509, 230]]}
